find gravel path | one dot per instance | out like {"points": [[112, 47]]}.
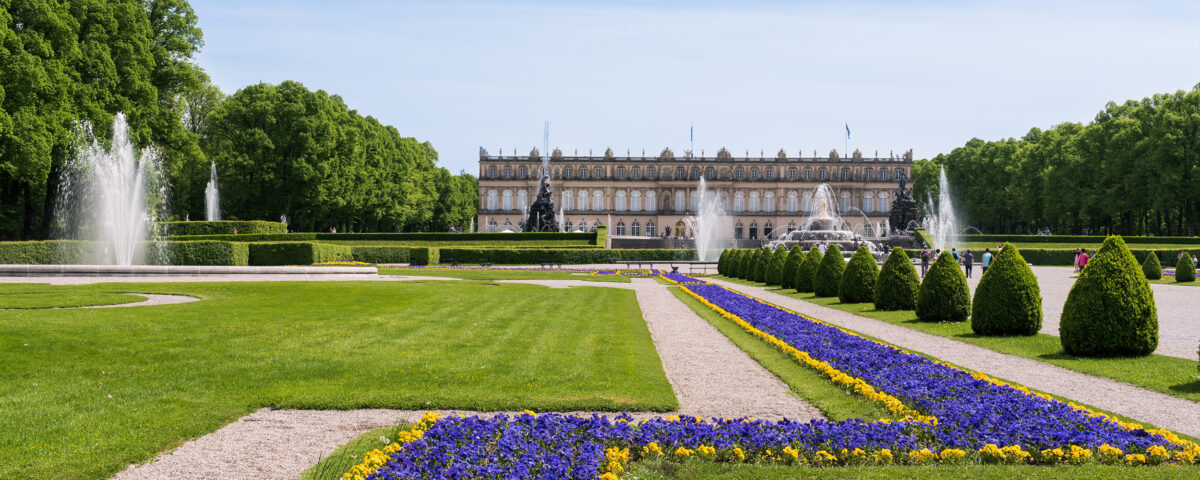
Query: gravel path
{"points": [[151, 299], [711, 377], [1165, 411]]}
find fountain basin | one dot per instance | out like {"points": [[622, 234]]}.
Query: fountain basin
{"points": [[170, 270]]}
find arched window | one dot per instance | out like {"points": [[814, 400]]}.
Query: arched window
{"points": [[621, 229], [621, 201], [753, 202], [568, 202], [739, 202], [845, 202], [650, 205], [635, 203], [491, 202], [508, 205], [709, 173], [769, 231], [650, 229], [792, 202], [522, 200], [753, 230], [737, 231], [635, 229], [769, 202], [883, 202], [806, 203], [597, 201], [868, 201], [583, 201], [680, 200]]}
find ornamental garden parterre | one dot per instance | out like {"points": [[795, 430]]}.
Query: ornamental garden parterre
{"points": [[940, 414]]}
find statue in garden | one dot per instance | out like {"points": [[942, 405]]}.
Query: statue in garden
{"points": [[904, 208], [541, 214]]}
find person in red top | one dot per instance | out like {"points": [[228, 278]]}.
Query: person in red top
{"points": [[1083, 259]]}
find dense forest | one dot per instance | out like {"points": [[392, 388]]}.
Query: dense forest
{"points": [[1134, 170], [279, 150]]}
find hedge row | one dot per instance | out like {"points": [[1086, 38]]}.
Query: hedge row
{"points": [[1080, 239], [297, 253], [45, 252], [224, 227], [380, 254], [203, 253], [242, 236], [558, 255], [77, 252]]}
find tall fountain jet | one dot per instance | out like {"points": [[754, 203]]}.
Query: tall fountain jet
{"points": [[710, 225], [941, 221], [113, 196], [212, 204]]}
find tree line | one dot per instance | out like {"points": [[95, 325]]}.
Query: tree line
{"points": [[279, 149], [1133, 170]]}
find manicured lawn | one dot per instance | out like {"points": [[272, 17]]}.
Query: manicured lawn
{"points": [[85, 392], [1171, 281], [834, 402], [1169, 375], [660, 470], [492, 275], [33, 296]]}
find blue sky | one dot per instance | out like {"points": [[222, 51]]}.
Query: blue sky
{"points": [[749, 75]]}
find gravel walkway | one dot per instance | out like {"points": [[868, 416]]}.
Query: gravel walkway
{"points": [[711, 377], [1165, 411]]}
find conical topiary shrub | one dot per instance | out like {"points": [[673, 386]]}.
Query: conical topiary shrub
{"points": [[787, 278], [898, 283], [775, 267], [1008, 300], [944, 296], [1185, 271], [806, 270], [759, 272], [747, 265], [858, 280], [1110, 310], [722, 261], [828, 277], [1151, 268]]}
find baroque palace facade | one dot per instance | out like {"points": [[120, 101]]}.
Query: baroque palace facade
{"points": [[640, 196]]}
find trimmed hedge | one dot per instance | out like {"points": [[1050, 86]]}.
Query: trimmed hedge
{"points": [[1077, 239], [1151, 268], [858, 280], [827, 280], [565, 256], [1185, 270], [76, 252], [1110, 310], [944, 296], [204, 253], [775, 266], [46, 252], [223, 227], [391, 254], [898, 283], [590, 238], [424, 256], [297, 253], [807, 269], [1008, 300], [795, 256]]}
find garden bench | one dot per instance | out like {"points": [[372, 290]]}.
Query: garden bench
{"points": [[483, 262], [549, 263], [453, 262]]}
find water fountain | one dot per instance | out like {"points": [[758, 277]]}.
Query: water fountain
{"points": [[710, 226], [824, 225], [113, 196], [941, 221], [212, 204]]}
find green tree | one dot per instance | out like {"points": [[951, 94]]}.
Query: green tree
{"points": [[807, 270], [1110, 310], [775, 264], [858, 280], [828, 277], [794, 258], [944, 296], [762, 258], [1008, 300], [1185, 270], [898, 284], [1151, 267]]}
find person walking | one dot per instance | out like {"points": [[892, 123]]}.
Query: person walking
{"points": [[1082, 259], [968, 261], [987, 259], [924, 262]]}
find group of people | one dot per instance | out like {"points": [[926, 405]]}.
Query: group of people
{"points": [[1081, 258], [966, 259]]}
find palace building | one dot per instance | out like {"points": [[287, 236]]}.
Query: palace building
{"points": [[640, 196]]}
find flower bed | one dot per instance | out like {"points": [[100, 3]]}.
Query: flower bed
{"points": [[681, 279], [943, 415]]}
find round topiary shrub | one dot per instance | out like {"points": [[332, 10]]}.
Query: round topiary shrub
{"points": [[1008, 300], [775, 266], [806, 270], [787, 278], [944, 296], [828, 277], [858, 280], [1185, 271], [1110, 310], [898, 283], [1151, 267]]}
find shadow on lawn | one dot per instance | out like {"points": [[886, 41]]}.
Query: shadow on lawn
{"points": [[1190, 387]]}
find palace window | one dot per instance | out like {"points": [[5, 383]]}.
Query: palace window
{"points": [[491, 172], [524, 172], [883, 202], [597, 201], [635, 202], [491, 201], [753, 202], [583, 200], [753, 230], [791, 227], [822, 175], [635, 229], [621, 201], [709, 173], [883, 174], [770, 174], [567, 226], [650, 173], [508, 226], [739, 202], [650, 205], [522, 200], [621, 173], [901, 173], [508, 205], [695, 201], [791, 202], [568, 202], [769, 202], [845, 202], [769, 231], [867, 175], [739, 174], [680, 201], [507, 172], [845, 174], [792, 174], [582, 173], [807, 175], [650, 229], [753, 174], [566, 173], [806, 203], [637, 173], [492, 227], [737, 231], [599, 173], [680, 173], [621, 229], [695, 173], [868, 201]]}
